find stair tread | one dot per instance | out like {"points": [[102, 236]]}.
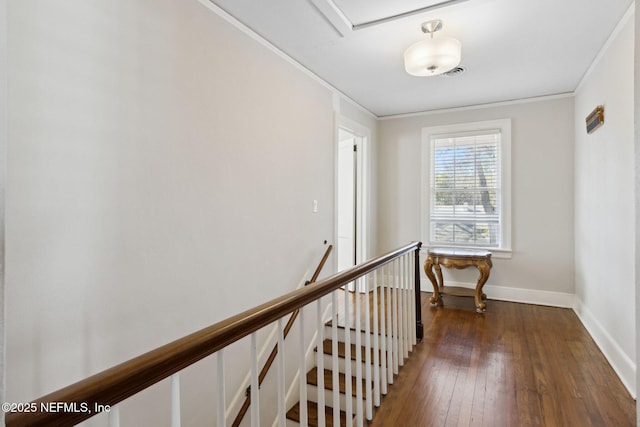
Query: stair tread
{"points": [[327, 348], [312, 378], [312, 414], [352, 327]]}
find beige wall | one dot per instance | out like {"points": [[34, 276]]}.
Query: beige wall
{"points": [[542, 192], [604, 203], [161, 170]]}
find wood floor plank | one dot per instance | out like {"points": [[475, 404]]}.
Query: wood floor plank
{"points": [[514, 365]]}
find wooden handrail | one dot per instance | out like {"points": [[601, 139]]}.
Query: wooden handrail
{"points": [[272, 356], [116, 384]]}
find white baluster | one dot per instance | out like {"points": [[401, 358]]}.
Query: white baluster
{"points": [[320, 362], [412, 296], [390, 333], [334, 358], [114, 416], [255, 387], [367, 347], [376, 342], [405, 305], [358, 325], [399, 284], [394, 310], [401, 330], [383, 332], [175, 400], [397, 316], [222, 405], [303, 373], [401, 313], [347, 357], [282, 410], [408, 299]]}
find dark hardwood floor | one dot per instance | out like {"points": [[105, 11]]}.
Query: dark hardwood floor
{"points": [[515, 365]]}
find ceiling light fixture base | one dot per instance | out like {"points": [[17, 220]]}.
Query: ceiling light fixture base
{"points": [[431, 27]]}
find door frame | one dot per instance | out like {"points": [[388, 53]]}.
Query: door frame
{"points": [[362, 177]]}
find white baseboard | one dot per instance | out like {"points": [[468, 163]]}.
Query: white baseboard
{"points": [[622, 364], [526, 296], [530, 296]]}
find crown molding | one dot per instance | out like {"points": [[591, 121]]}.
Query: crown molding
{"points": [[480, 106]]}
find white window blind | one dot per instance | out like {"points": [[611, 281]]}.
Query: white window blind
{"points": [[465, 205]]}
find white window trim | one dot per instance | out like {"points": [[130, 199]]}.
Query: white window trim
{"points": [[505, 249]]}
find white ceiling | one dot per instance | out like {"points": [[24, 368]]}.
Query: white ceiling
{"points": [[511, 49]]}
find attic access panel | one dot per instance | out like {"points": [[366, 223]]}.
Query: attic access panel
{"points": [[368, 12]]}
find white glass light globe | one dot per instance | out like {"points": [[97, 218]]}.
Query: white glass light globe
{"points": [[432, 56]]}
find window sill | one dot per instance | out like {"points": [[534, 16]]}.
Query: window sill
{"points": [[495, 252]]}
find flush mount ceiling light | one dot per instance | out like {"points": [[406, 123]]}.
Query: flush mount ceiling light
{"points": [[432, 56]]}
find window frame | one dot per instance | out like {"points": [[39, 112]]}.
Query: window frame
{"points": [[504, 248]]}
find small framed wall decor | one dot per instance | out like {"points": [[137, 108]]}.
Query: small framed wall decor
{"points": [[595, 119]]}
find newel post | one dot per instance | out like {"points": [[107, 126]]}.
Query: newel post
{"points": [[416, 268]]}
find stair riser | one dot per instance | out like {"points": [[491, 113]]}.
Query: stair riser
{"points": [[328, 364], [291, 423], [341, 335], [312, 395], [313, 418], [352, 335]]}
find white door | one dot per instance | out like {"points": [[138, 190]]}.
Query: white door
{"points": [[351, 209], [347, 181]]}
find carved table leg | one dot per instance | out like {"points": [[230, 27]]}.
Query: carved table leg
{"points": [[484, 267], [436, 298], [440, 279]]}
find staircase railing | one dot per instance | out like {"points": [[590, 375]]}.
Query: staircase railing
{"points": [[394, 276]]}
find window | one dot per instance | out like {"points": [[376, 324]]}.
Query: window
{"points": [[466, 185]]}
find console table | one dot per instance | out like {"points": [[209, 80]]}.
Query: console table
{"points": [[457, 258]]}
